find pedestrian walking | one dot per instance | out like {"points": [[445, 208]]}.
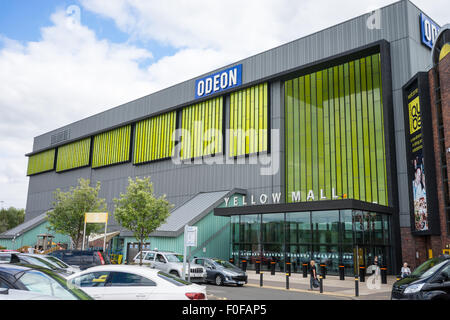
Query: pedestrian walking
{"points": [[313, 282], [405, 270]]}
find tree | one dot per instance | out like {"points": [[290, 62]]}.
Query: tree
{"points": [[67, 216], [139, 211], [10, 218]]}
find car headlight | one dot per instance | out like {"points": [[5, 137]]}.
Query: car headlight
{"points": [[414, 288]]}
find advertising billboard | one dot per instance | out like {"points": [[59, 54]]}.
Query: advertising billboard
{"points": [[420, 151]]}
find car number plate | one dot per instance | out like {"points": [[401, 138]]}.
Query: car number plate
{"points": [[241, 282]]}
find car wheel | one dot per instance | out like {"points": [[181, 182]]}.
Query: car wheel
{"points": [[219, 280], [175, 273]]}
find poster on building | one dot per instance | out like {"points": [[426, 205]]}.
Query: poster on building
{"points": [[418, 130]]}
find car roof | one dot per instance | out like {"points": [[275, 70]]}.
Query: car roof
{"points": [[121, 267], [15, 268]]}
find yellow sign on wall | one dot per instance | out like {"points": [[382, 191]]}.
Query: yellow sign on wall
{"points": [[96, 217], [415, 122]]}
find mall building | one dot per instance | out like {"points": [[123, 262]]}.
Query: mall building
{"points": [[316, 149]]}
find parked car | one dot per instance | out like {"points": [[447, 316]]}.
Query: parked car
{"points": [[429, 281], [58, 263], [125, 282], [14, 294], [222, 272], [33, 259], [172, 263], [38, 280], [82, 259]]}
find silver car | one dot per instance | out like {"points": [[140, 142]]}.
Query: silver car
{"points": [[172, 263]]}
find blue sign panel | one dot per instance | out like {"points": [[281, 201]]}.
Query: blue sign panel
{"points": [[219, 81], [428, 30]]}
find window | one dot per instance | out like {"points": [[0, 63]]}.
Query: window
{"points": [[4, 284], [111, 147], [172, 279], [124, 279], [73, 155], [150, 256], [160, 258], [200, 262], [93, 279], [248, 121], [41, 162], [36, 281]]}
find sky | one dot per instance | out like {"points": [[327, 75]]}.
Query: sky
{"points": [[62, 61]]}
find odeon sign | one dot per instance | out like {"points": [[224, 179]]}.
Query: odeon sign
{"points": [[275, 197], [219, 81]]}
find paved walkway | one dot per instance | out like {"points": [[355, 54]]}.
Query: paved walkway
{"points": [[331, 285]]}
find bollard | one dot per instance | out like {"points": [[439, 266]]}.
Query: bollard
{"points": [[244, 265], [321, 283], [257, 266], [272, 267], [288, 267], [323, 269], [341, 272], [305, 270], [383, 275], [362, 273], [261, 279], [287, 281], [356, 286]]}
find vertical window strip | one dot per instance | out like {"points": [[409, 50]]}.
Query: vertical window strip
{"points": [[73, 155], [373, 160], [41, 162], [360, 140], [354, 131], [289, 135], [296, 135]]}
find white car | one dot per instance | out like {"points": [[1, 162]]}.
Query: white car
{"points": [[125, 282], [172, 263], [13, 294]]}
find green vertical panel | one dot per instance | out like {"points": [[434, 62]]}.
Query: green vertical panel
{"points": [[320, 136], [373, 159], [354, 136], [257, 122], [41, 162], [296, 135], [326, 137], [379, 131], [342, 112], [111, 147], [360, 140], [252, 121], [303, 151], [73, 155], [314, 136], [309, 176], [332, 131], [289, 136], [231, 126], [265, 119], [337, 124], [348, 131]]}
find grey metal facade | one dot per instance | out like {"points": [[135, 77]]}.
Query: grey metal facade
{"points": [[399, 26]]}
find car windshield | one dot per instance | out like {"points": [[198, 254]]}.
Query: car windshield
{"points": [[172, 279], [432, 270], [45, 282], [424, 267], [224, 264], [40, 262], [174, 257], [56, 262]]}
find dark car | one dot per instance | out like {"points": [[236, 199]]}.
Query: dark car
{"points": [[82, 258], [222, 272], [32, 259], [430, 281], [38, 280]]}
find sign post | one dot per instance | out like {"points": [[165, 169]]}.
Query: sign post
{"points": [[190, 240], [95, 217]]}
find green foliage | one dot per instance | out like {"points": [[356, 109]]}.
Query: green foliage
{"points": [[10, 218], [67, 216], [139, 211]]}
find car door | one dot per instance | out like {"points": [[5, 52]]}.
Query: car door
{"points": [[128, 286], [210, 270], [93, 283], [149, 259]]}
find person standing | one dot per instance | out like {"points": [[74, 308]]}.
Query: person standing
{"points": [[405, 270], [313, 273]]}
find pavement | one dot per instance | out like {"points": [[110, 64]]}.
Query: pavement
{"points": [[332, 286]]}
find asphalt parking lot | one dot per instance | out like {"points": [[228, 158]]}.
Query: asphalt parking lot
{"points": [[248, 292]]}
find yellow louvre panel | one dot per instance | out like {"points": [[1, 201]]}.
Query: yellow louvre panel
{"points": [[41, 162], [202, 129], [111, 147], [153, 138], [248, 120], [73, 155]]}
